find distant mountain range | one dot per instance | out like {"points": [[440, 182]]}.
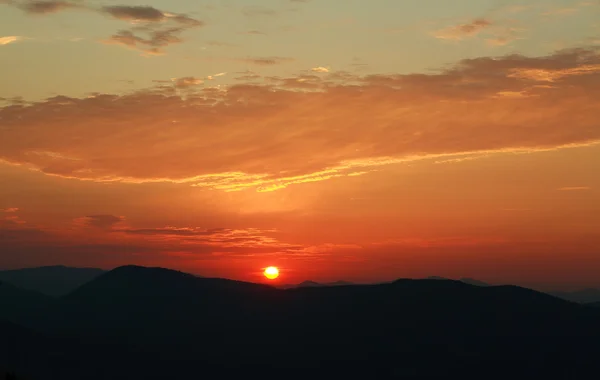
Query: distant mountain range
{"points": [[61, 280], [50, 280], [17, 303], [152, 323], [312, 284]]}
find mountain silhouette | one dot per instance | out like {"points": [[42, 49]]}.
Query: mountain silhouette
{"points": [[50, 280], [144, 323], [309, 283], [472, 281], [17, 304]]}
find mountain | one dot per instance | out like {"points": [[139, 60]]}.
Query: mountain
{"points": [[18, 304], [580, 296], [312, 284], [309, 284], [50, 280], [466, 280], [472, 281], [437, 278], [152, 323], [24, 352]]}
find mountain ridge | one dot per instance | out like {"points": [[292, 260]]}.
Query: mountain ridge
{"points": [[130, 316], [54, 280]]}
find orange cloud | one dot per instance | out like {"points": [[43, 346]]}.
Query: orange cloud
{"points": [[320, 69], [99, 221], [161, 28], [9, 39], [462, 31], [310, 128], [45, 7], [153, 29], [267, 61]]}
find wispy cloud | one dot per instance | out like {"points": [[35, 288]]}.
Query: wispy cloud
{"points": [[495, 33], [9, 40], [462, 31], [103, 221], [267, 61], [151, 32], [320, 69], [46, 7], [287, 131], [153, 29]]}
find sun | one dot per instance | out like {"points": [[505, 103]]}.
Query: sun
{"points": [[271, 273]]}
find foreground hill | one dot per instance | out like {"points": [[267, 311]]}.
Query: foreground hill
{"points": [[140, 323], [50, 280], [18, 304]]}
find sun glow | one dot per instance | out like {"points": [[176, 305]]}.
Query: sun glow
{"points": [[271, 273]]}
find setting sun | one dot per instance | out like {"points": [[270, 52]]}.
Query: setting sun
{"points": [[271, 273]]}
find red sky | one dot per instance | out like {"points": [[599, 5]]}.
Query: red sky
{"points": [[484, 164]]}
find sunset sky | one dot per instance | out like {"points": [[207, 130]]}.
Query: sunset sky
{"points": [[337, 140]]}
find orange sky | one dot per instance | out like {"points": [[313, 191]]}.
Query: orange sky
{"points": [[483, 165]]}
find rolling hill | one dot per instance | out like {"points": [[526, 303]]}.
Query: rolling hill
{"points": [[51, 280], [152, 322], [19, 304]]}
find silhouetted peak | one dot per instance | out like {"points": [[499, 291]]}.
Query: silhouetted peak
{"points": [[308, 283], [340, 283], [472, 281], [433, 283], [136, 270], [133, 280]]}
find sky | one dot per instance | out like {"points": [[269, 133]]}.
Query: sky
{"points": [[361, 141]]}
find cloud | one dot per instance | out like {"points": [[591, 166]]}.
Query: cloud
{"points": [[504, 36], [135, 13], [221, 238], [267, 61], [107, 244], [568, 10], [287, 131], [99, 221], [462, 31], [154, 29], [320, 69], [46, 7], [187, 82], [10, 217], [9, 40], [154, 42], [147, 14]]}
